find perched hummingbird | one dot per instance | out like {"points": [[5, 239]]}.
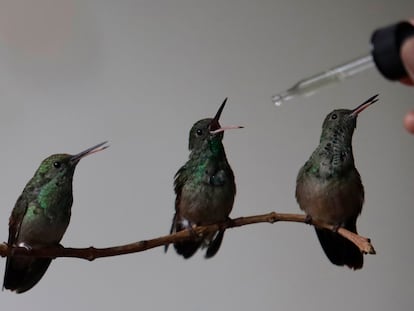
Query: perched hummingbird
{"points": [[41, 216], [204, 186], [329, 188]]}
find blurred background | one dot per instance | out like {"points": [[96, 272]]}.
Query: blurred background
{"points": [[139, 73]]}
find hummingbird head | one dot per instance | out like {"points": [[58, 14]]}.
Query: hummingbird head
{"points": [[60, 167], [208, 129], [344, 120]]}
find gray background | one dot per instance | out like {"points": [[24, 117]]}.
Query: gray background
{"points": [[140, 73]]}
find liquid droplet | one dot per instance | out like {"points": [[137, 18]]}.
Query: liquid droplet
{"points": [[277, 100]]}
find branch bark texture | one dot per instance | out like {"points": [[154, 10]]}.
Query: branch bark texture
{"points": [[91, 253]]}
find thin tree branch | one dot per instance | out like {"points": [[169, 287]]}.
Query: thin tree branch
{"points": [[91, 253]]}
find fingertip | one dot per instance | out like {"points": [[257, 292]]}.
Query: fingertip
{"points": [[407, 56], [409, 122], [407, 81]]}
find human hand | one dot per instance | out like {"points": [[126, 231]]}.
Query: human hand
{"points": [[407, 56]]}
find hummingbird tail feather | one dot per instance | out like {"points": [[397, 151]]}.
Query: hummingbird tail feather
{"points": [[171, 232], [339, 250], [188, 248], [215, 244], [21, 276]]}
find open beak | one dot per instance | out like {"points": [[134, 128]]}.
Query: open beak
{"points": [[99, 147], [215, 126], [364, 105]]}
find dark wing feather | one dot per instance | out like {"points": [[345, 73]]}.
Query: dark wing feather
{"points": [[15, 221], [179, 180], [215, 244], [185, 248], [12, 276]]}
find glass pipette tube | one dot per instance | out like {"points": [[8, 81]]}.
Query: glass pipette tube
{"points": [[309, 86]]}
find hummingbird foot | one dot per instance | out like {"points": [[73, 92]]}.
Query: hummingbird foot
{"points": [[193, 232], [25, 245], [21, 244], [187, 224], [308, 220], [336, 227]]}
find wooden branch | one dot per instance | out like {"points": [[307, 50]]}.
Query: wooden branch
{"points": [[91, 253]]}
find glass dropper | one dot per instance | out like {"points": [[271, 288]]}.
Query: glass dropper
{"points": [[309, 86], [385, 56]]}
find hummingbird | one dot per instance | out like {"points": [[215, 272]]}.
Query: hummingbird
{"points": [[40, 217], [204, 187], [329, 187]]}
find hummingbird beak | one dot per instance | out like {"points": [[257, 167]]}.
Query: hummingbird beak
{"points": [[99, 147], [215, 126], [364, 105]]}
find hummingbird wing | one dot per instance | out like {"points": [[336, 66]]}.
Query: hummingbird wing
{"points": [[215, 244], [180, 178], [185, 248], [16, 219], [21, 274]]}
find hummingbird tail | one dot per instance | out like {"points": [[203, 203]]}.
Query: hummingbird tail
{"points": [[188, 248], [215, 244], [22, 274], [339, 250], [184, 248]]}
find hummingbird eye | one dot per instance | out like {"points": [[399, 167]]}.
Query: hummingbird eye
{"points": [[56, 164], [334, 116], [199, 132]]}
